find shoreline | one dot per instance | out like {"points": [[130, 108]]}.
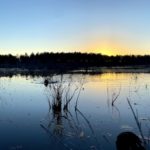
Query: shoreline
{"points": [[93, 70]]}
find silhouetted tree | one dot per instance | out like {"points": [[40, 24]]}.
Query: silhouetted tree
{"points": [[75, 60]]}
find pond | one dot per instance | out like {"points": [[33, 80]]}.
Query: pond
{"points": [[73, 111]]}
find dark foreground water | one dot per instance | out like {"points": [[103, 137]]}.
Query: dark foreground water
{"points": [[31, 117]]}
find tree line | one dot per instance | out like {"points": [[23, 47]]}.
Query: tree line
{"points": [[70, 60]]}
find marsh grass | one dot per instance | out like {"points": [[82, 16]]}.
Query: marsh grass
{"points": [[62, 93], [68, 96], [115, 96], [138, 123], [63, 123]]}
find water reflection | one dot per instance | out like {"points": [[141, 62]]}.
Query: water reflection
{"points": [[73, 111], [64, 121], [67, 122]]}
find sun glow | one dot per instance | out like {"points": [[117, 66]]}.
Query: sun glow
{"points": [[108, 48]]}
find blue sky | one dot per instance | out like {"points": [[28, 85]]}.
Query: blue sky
{"points": [[104, 26]]}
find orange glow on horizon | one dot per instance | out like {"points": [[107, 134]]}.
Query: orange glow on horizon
{"points": [[106, 46], [116, 45]]}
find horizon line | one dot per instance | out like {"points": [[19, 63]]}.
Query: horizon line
{"points": [[88, 53]]}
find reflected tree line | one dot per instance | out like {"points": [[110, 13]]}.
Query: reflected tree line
{"points": [[70, 60]]}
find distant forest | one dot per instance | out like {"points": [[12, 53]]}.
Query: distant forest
{"points": [[70, 61]]}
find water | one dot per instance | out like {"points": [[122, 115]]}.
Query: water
{"points": [[28, 120]]}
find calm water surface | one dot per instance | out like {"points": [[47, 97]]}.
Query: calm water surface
{"points": [[28, 120]]}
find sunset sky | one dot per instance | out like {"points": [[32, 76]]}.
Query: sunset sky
{"points": [[102, 26]]}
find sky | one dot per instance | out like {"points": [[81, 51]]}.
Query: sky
{"points": [[109, 27]]}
